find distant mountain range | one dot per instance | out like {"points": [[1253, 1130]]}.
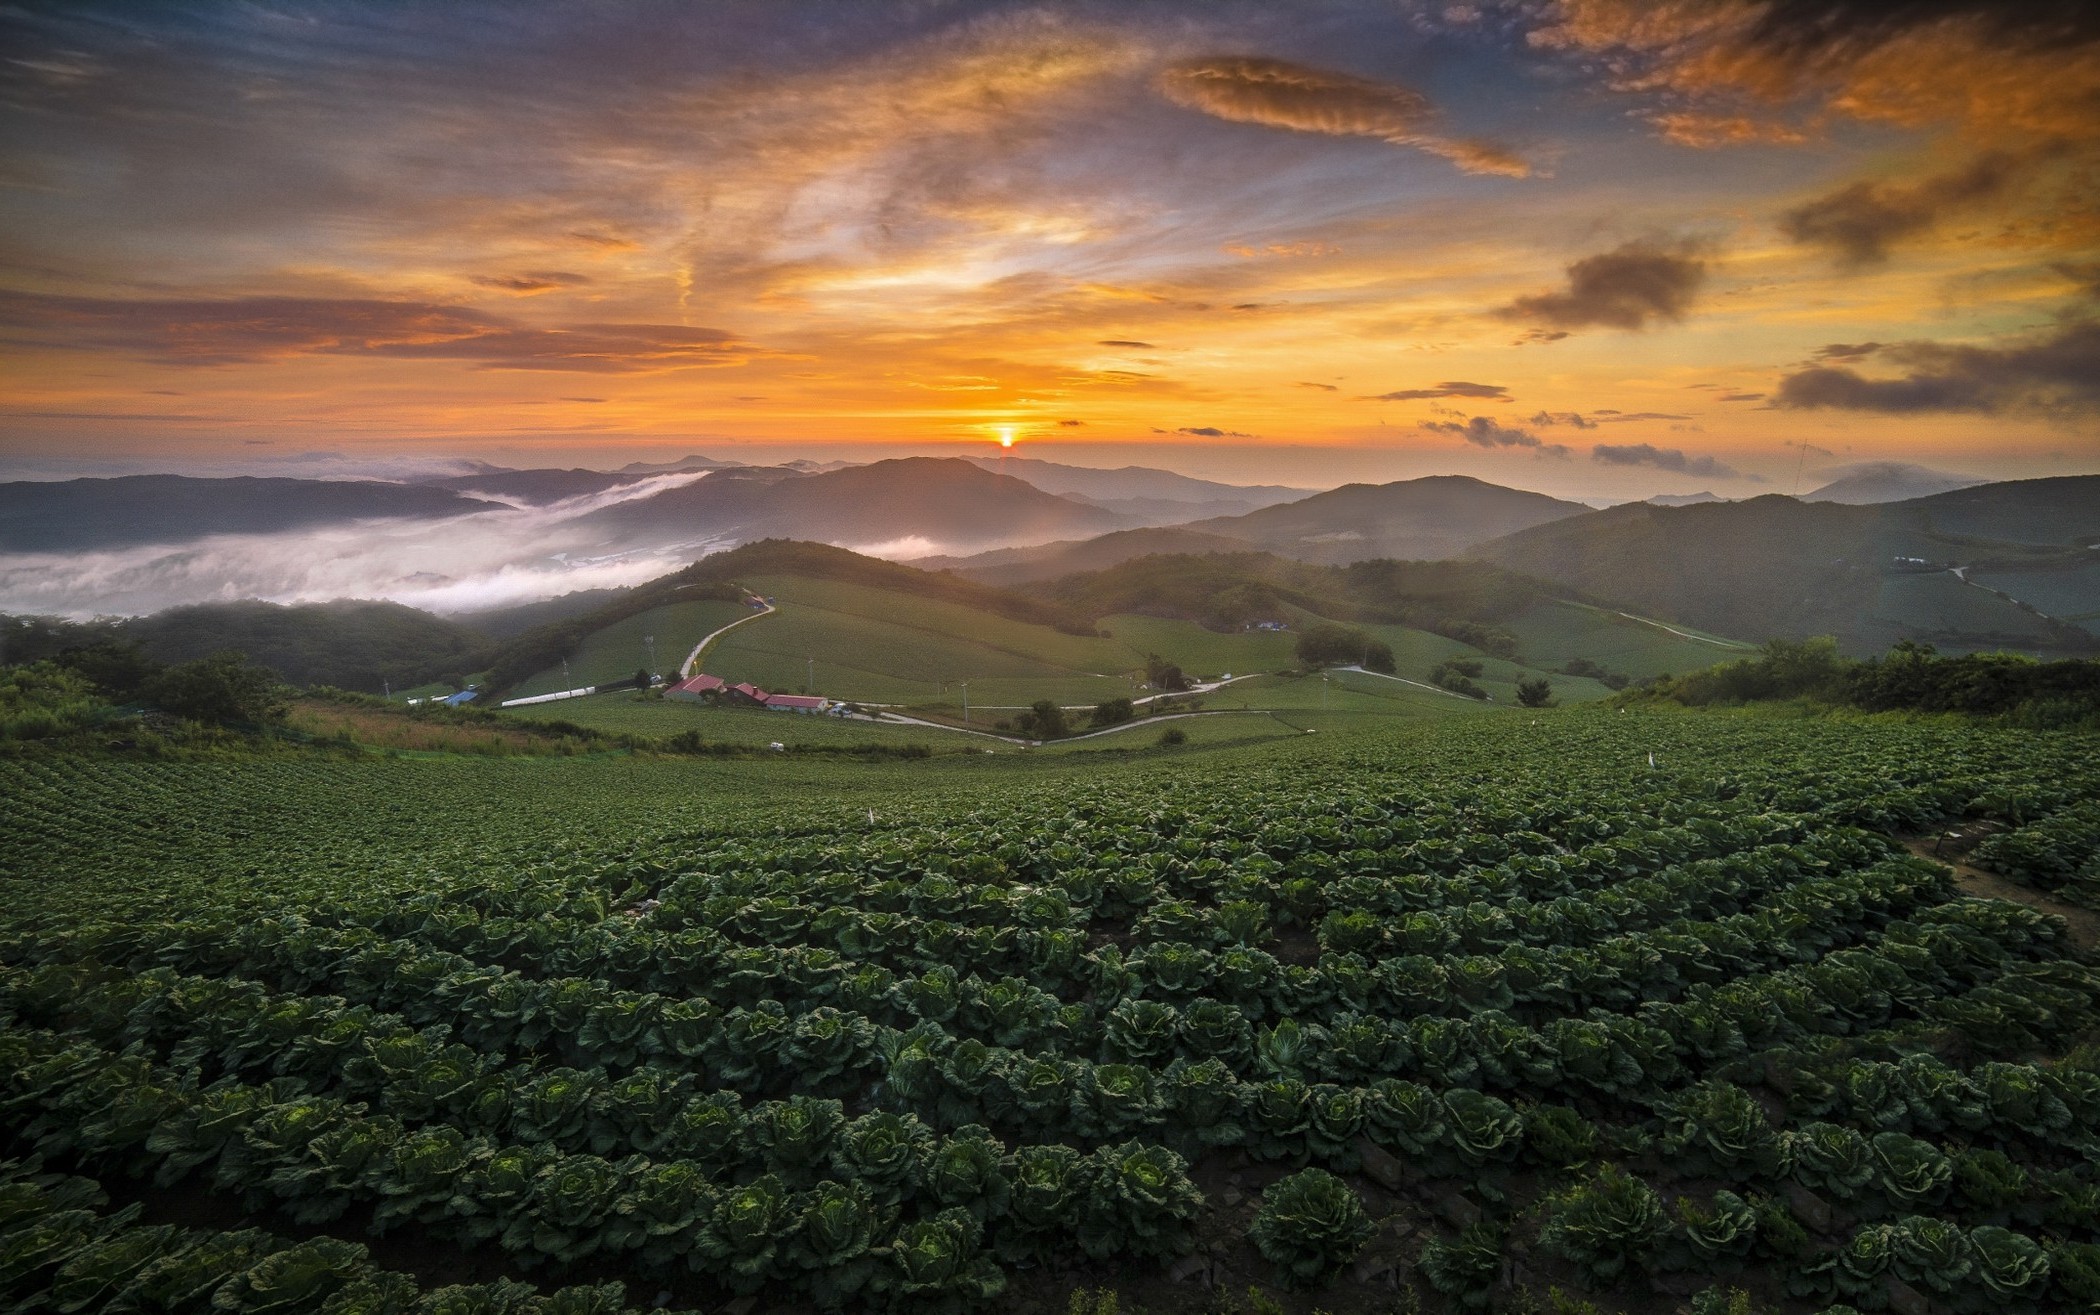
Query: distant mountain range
{"points": [[1158, 497], [80, 515], [1888, 481], [1412, 520], [2008, 564], [942, 501]]}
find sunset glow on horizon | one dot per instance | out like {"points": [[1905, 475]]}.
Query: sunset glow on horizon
{"points": [[1586, 246]]}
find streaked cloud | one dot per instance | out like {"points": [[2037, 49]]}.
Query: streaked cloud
{"points": [[1279, 94], [1485, 431], [2055, 373], [1858, 223], [1449, 388], [250, 330], [1661, 458]]}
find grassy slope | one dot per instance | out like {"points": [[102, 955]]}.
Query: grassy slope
{"points": [[614, 653], [1554, 633], [2071, 593], [633, 714], [877, 645]]}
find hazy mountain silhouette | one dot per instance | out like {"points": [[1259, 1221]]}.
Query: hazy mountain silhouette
{"points": [[78, 515]]}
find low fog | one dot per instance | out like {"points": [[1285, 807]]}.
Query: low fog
{"points": [[463, 564]]}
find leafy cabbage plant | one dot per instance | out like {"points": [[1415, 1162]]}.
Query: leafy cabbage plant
{"points": [[1310, 1225]]}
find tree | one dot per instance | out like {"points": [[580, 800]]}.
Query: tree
{"points": [[222, 690], [117, 668], [641, 678], [1114, 712], [1044, 720], [1164, 675], [1535, 693], [1325, 644], [1457, 675]]}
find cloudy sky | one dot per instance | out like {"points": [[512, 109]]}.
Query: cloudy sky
{"points": [[1586, 246]]}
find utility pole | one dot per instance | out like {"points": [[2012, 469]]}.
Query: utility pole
{"points": [[966, 702], [566, 678], [650, 640], [811, 687], [1323, 691], [388, 686]]}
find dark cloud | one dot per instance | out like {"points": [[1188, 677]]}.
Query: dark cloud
{"points": [[2058, 373], [1571, 418], [1662, 458], [1742, 397], [1123, 342], [247, 330], [1071, 424], [527, 284], [1846, 351], [583, 399], [1325, 388], [1621, 417], [1857, 224], [1211, 431], [1483, 431], [1623, 289], [1774, 70], [1541, 335], [1812, 27], [1277, 94], [1449, 388]]}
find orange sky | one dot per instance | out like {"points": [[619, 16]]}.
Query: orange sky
{"points": [[1601, 247]]}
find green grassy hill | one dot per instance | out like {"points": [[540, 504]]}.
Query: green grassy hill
{"points": [[872, 632], [615, 652], [871, 644], [1870, 575]]}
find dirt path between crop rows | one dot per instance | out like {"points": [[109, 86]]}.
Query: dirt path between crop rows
{"points": [[2085, 924]]}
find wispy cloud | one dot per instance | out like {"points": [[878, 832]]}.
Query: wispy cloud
{"points": [[249, 330], [1661, 458], [1449, 388], [1278, 94]]}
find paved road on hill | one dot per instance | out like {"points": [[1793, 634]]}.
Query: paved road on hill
{"points": [[692, 659]]}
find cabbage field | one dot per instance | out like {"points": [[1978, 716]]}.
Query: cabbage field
{"points": [[1655, 1009]]}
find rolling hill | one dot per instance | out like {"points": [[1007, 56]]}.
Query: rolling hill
{"points": [[944, 503], [83, 515], [1887, 481], [1157, 497], [876, 632], [1870, 575], [1410, 520]]}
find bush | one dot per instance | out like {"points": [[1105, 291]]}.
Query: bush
{"points": [[1114, 712], [1044, 720], [225, 689], [1309, 1226], [1457, 675], [1324, 644], [1535, 693], [1172, 736]]}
